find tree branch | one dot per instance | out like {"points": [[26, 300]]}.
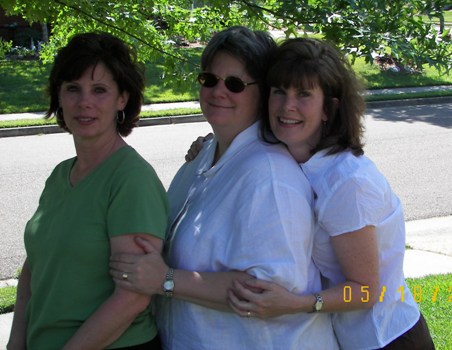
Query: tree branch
{"points": [[108, 24]]}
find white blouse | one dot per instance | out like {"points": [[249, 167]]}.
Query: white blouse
{"points": [[350, 194], [252, 212]]}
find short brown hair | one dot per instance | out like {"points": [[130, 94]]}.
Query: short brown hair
{"points": [[87, 50], [253, 48]]}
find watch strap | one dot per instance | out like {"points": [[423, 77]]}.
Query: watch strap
{"points": [[168, 284]]}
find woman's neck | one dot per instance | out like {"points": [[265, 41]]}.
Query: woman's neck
{"points": [[91, 154], [301, 154], [224, 140], [225, 136]]}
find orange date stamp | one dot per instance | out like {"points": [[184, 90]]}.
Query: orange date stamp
{"points": [[418, 293]]}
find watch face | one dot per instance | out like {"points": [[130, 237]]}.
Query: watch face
{"points": [[318, 306], [168, 285]]}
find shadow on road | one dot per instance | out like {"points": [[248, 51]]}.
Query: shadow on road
{"points": [[439, 115]]}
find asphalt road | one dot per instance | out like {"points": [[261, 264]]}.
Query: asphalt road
{"points": [[411, 145]]}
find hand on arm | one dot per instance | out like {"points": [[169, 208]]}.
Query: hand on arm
{"points": [[17, 340], [263, 299], [116, 314], [145, 271], [196, 147], [357, 254], [146, 274]]}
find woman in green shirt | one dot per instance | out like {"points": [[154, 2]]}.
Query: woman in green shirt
{"points": [[92, 205]]}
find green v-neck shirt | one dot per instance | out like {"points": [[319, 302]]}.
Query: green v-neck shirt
{"points": [[68, 244]]}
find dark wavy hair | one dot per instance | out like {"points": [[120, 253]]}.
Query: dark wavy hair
{"points": [[305, 63], [87, 50], [253, 48]]}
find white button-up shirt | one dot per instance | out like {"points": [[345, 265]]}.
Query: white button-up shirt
{"points": [[351, 194], [251, 211]]}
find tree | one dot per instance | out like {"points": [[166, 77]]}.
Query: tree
{"points": [[366, 28]]}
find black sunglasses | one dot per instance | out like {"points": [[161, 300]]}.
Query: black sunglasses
{"points": [[233, 84]]}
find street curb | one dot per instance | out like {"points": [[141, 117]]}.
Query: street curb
{"points": [[51, 129], [409, 102], [190, 118]]}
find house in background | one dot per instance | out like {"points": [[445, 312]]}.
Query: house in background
{"points": [[20, 32]]}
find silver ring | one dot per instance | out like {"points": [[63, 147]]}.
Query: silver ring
{"points": [[125, 276], [248, 314]]}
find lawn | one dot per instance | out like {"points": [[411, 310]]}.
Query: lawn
{"points": [[7, 299], [434, 297], [22, 83]]}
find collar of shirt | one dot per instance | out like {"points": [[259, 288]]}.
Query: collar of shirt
{"points": [[315, 164], [239, 143]]}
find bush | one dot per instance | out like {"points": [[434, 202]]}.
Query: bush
{"points": [[5, 47]]}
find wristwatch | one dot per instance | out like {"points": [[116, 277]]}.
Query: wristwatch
{"points": [[168, 283], [318, 303]]}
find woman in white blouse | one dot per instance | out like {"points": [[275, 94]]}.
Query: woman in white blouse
{"points": [[242, 205], [316, 109]]}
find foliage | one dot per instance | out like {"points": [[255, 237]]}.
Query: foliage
{"points": [[5, 47], [362, 28]]}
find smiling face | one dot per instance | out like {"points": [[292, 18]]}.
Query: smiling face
{"points": [[91, 102], [296, 117], [229, 113]]}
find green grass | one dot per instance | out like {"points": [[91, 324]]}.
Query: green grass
{"points": [[374, 78], [147, 114], [7, 299], [23, 83], [411, 95], [22, 86], [434, 297], [432, 293], [447, 17]]}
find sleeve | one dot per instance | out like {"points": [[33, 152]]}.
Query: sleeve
{"points": [[273, 235], [356, 203], [138, 203]]}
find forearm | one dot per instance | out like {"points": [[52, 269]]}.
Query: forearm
{"points": [[146, 274], [348, 296], [209, 289], [109, 321], [17, 338]]}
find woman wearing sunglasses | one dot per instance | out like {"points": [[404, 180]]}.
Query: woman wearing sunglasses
{"points": [[242, 205]]}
